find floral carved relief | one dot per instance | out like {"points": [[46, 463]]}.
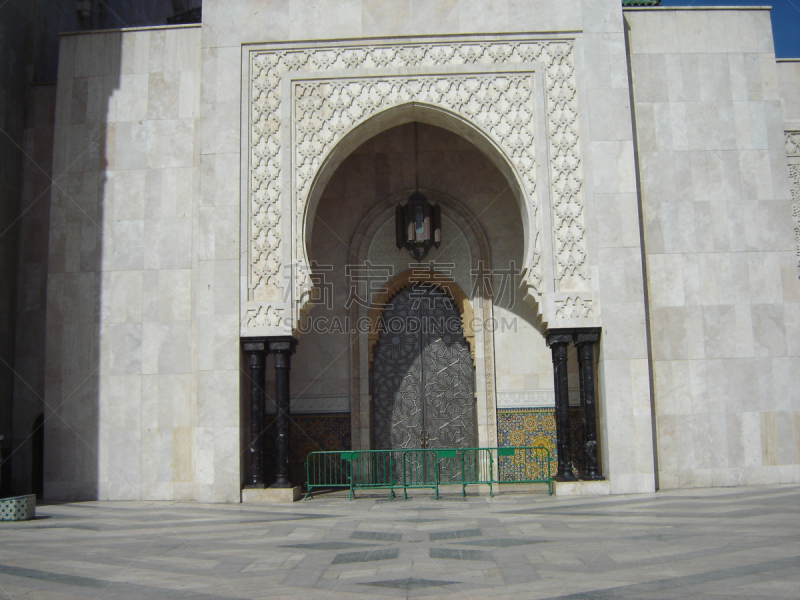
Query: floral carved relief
{"points": [[793, 153], [794, 176]]}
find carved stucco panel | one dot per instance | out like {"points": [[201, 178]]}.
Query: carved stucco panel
{"points": [[794, 176], [267, 252], [793, 154], [501, 104]]}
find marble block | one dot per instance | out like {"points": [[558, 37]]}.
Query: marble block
{"points": [[581, 488], [271, 495]]}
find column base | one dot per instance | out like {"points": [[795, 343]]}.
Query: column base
{"points": [[271, 495], [581, 488]]}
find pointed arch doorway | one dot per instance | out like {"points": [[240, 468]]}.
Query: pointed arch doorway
{"points": [[422, 375]]}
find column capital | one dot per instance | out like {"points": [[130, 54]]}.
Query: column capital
{"points": [[586, 335], [559, 336], [281, 344], [255, 345]]}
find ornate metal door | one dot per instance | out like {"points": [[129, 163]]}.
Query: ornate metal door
{"points": [[422, 374]]}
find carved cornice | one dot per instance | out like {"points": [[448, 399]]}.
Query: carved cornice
{"points": [[533, 399]]}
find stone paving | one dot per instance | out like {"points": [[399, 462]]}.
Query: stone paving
{"points": [[720, 543]]}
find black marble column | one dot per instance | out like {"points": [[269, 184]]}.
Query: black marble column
{"points": [[559, 340], [584, 341], [282, 349], [257, 354]]}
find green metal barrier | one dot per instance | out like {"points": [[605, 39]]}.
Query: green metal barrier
{"points": [[420, 470], [426, 468], [329, 470], [377, 469]]}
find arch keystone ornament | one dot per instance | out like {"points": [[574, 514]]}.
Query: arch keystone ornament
{"points": [[307, 106]]}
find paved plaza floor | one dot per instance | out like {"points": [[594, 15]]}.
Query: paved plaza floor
{"points": [[718, 543]]}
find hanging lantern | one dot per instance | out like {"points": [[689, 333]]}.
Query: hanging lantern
{"points": [[418, 226]]}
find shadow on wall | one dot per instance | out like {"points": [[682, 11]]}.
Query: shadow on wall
{"points": [[16, 18], [30, 43], [89, 74], [31, 298], [119, 421]]}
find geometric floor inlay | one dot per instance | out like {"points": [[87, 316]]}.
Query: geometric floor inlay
{"points": [[649, 547], [410, 583], [325, 545], [502, 542], [459, 554], [376, 535], [451, 535], [357, 557]]}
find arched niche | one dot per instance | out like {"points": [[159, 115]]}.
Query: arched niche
{"points": [[431, 115], [474, 308]]}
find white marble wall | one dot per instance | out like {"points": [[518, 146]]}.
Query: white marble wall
{"points": [[789, 85], [722, 276], [120, 392], [624, 407]]}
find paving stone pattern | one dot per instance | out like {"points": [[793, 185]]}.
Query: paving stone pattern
{"points": [[722, 543]]}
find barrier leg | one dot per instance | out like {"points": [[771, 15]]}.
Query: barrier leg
{"points": [[463, 480]]}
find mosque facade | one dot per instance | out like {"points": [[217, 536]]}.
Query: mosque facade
{"points": [[569, 225]]}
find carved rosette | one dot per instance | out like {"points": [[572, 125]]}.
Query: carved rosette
{"points": [[324, 111], [792, 143], [573, 308]]}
